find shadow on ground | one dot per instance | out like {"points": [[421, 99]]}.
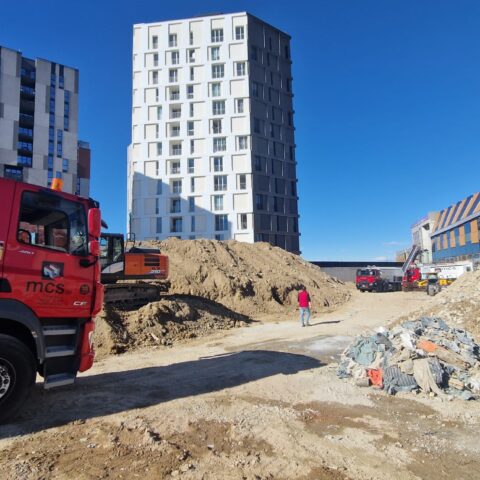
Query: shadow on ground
{"points": [[110, 393]]}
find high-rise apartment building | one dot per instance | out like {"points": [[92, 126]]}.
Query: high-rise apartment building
{"points": [[213, 151], [39, 122]]}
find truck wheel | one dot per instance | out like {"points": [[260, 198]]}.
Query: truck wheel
{"points": [[17, 375]]}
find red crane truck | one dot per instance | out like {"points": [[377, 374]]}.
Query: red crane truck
{"points": [[50, 288]]}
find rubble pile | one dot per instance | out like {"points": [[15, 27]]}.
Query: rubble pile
{"points": [[422, 355]]}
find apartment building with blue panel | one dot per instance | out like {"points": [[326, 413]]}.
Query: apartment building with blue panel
{"points": [[455, 236]]}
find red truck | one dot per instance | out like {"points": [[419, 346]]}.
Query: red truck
{"points": [[50, 288], [375, 279]]}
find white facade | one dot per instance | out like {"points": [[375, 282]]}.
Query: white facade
{"points": [[421, 232], [39, 121], [212, 152]]}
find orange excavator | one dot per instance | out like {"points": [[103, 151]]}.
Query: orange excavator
{"points": [[132, 275]]}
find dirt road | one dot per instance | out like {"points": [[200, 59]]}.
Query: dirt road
{"points": [[261, 402]]}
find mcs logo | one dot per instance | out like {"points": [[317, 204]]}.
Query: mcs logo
{"points": [[45, 287]]}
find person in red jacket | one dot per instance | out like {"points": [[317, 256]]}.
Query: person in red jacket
{"points": [[304, 306]]}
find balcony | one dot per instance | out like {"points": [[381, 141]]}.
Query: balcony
{"points": [[176, 150], [175, 132], [175, 114], [175, 96]]}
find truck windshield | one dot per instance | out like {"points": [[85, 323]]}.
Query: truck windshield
{"points": [[50, 221], [365, 273]]}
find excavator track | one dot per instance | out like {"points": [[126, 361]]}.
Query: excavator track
{"points": [[126, 295]]}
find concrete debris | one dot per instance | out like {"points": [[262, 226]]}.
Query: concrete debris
{"points": [[425, 354]]}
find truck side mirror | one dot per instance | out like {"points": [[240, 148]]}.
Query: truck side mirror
{"points": [[94, 248], [94, 222]]}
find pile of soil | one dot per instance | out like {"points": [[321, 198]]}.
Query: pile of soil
{"points": [[248, 278], [458, 304], [216, 286], [173, 319]]}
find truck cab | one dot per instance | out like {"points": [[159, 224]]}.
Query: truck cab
{"points": [[50, 288]]}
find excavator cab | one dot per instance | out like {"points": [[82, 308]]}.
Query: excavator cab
{"points": [[136, 263]]}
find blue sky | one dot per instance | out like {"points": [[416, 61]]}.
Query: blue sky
{"points": [[387, 104]]}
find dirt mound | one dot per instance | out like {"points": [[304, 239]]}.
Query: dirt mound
{"points": [[248, 278], [173, 319], [216, 286], [458, 304]]}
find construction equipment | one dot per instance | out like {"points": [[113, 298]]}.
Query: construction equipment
{"points": [[374, 279], [433, 284], [50, 288], [416, 277], [133, 276]]}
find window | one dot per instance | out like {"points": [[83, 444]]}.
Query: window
{"points": [[215, 53], [242, 143], [172, 40], [287, 85], [219, 236], [191, 204], [242, 182], [13, 172], [24, 160], [218, 164], [191, 110], [176, 186], [217, 203], [154, 41], [254, 52], [159, 225], [155, 59], [221, 222], [190, 128], [191, 56], [154, 77], [189, 91], [159, 187], [173, 75], [53, 222], [174, 168], [192, 184], [192, 146], [216, 126], [191, 165], [192, 74], [260, 202], [218, 71], [159, 113], [50, 162], [255, 89], [289, 119], [239, 33], [217, 35], [174, 94], [258, 163], [192, 227], [240, 69], [216, 90], [65, 165], [287, 53], [242, 221], [176, 225], [218, 107], [219, 183], [239, 105], [256, 125], [157, 206], [175, 205], [191, 38], [175, 58], [219, 144]]}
